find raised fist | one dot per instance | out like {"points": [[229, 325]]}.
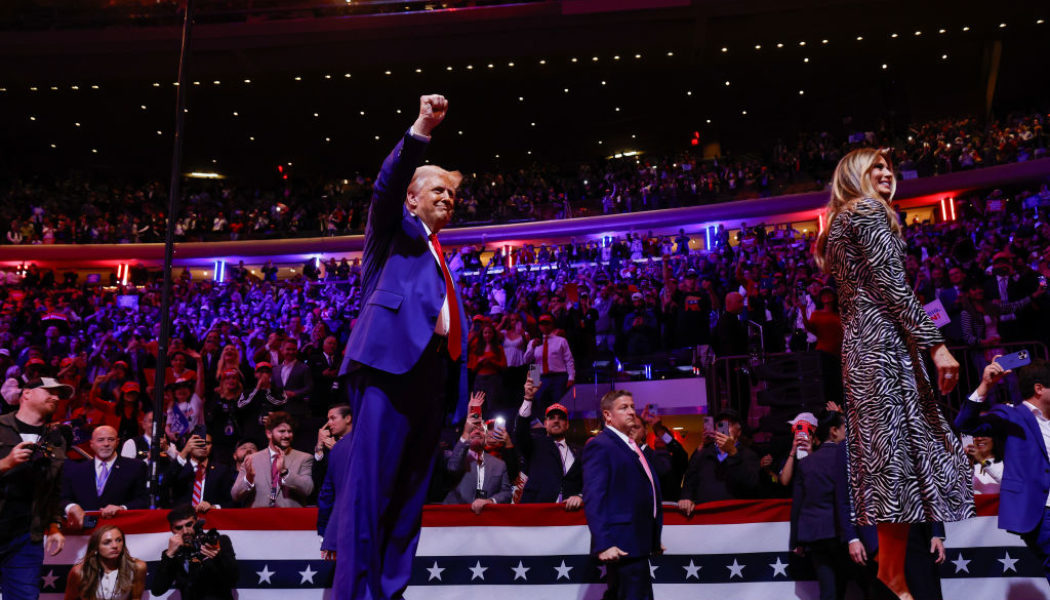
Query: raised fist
{"points": [[432, 110]]}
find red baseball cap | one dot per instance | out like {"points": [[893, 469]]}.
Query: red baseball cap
{"points": [[130, 386], [556, 407]]}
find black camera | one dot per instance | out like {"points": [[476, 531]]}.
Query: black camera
{"points": [[191, 548]]}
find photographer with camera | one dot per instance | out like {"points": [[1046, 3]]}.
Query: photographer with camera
{"points": [[200, 564], [31, 457]]}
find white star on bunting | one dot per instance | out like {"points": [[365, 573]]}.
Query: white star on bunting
{"points": [[563, 571], [49, 579], [519, 571], [435, 572], [779, 568], [307, 575], [478, 572], [961, 564], [1008, 563], [652, 571], [602, 571], [265, 574], [692, 570], [736, 569]]}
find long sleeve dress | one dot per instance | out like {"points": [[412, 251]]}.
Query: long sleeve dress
{"points": [[906, 465]]}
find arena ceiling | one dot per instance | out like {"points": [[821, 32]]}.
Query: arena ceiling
{"points": [[526, 82]]}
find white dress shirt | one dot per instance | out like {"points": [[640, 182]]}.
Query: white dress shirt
{"points": [[1044, 428]]}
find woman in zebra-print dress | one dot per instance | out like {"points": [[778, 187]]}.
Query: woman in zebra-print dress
{"points": [[905, 463]]}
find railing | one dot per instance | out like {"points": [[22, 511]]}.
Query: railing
{"points": [[738, 382]]}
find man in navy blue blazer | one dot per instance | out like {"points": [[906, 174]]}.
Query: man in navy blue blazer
{"points": [[404, 363], [108, 483], [621, 500], [1024, 498], [552, 464]]}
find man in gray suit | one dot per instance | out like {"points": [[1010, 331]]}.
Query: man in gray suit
{"points": [[278, 475], [469, 464]]}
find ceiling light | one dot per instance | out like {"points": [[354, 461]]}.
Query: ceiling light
{"points": [[617, 109], [724, 49], [944, 57], [362, 113], [316, 115], [510, 64], [802, 92], [74, 87], [966, 28], [159, 132], [758, 46], [823, 41], [448, 68], [521, 98], [198, 83], [637, 56], [142, 106], [54, 88], [94, 87], [251, 138], [54, 146], [377, 137], [918, 33], [247, 81], [727, 84], [216, 82], [470, 67], [1039, 22], [297, 78], [32, 118], [419, 70], [594, 59], [617, 57], [459, 133], [543, 62], [94, 151], [709, 121], [574, 59], [76, 124], [780, 44], [633, 136], [670, 54], [387, 73], [1002, 25], [860, 38], [942, 31], [885, 66], [346, 75], [235, 114], [805, 60], [603, 83], [689, 93], [566, 90], [743, 112], [155, 84], [893, 35], [328, 139], [491, 65], [532, 124], [802, 43]]}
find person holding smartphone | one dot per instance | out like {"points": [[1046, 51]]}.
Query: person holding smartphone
{"points": [[722, 469], [552, 464]]}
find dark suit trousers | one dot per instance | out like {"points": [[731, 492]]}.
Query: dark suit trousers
{"points": [[629, 579], [1038, 541], [831, 564], [397, 423]]}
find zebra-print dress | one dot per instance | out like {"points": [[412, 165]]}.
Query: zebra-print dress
{"points": [[906, 465]]}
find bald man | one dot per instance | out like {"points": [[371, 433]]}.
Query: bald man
{"points": [[109, 484]]}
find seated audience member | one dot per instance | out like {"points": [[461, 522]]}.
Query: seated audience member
{"points": [[1025, 483], [339, 424], [987, 459], [278, 475], [107, 571], [477, 477], [108, 483], [553, 467], [196, 479], [723, 469]]}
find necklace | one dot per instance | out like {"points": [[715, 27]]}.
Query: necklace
{"points": [[107, 585]]}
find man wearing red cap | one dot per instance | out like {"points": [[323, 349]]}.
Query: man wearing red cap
{"points": [[553, 466]]}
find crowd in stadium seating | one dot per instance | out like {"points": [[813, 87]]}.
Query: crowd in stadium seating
{"points": [[78, 211], [255, 346]]}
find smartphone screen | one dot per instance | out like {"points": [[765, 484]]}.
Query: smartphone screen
{"points": [[534, 375]]}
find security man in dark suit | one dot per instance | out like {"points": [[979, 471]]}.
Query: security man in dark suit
{"points": [[553, 465], [622, 501]]}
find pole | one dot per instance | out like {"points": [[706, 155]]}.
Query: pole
{"points": [[169, 249]]}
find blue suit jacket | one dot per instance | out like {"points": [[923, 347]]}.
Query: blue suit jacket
{"points": [[126, 484], [403, 287], [327, 518], [820, 507], [1026, 476], [617, 498]]}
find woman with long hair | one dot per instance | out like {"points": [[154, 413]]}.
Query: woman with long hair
{"points": [[488, 360], [107, 571], [906, 465]]}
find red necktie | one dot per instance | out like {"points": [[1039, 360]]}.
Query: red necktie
{"points": [[455, 339], [546, 363], [198, 484]]}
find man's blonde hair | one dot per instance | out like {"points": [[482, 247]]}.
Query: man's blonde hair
{"points": [[427, 172]]}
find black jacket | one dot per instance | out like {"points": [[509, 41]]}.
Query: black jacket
{"points": [[543, 466], [211, 579]]}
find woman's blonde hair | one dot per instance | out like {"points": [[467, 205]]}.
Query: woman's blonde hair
{"points": [[849, 184], [91, 569]]}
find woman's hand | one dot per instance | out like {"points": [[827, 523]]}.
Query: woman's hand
{"points": [[947, 368]]}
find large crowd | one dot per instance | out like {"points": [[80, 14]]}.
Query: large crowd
{"points": [[75, 210], [254, 353]]}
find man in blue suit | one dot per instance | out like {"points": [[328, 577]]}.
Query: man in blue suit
{"points": [[403, 364], [621, 500], [1023, 497]]}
